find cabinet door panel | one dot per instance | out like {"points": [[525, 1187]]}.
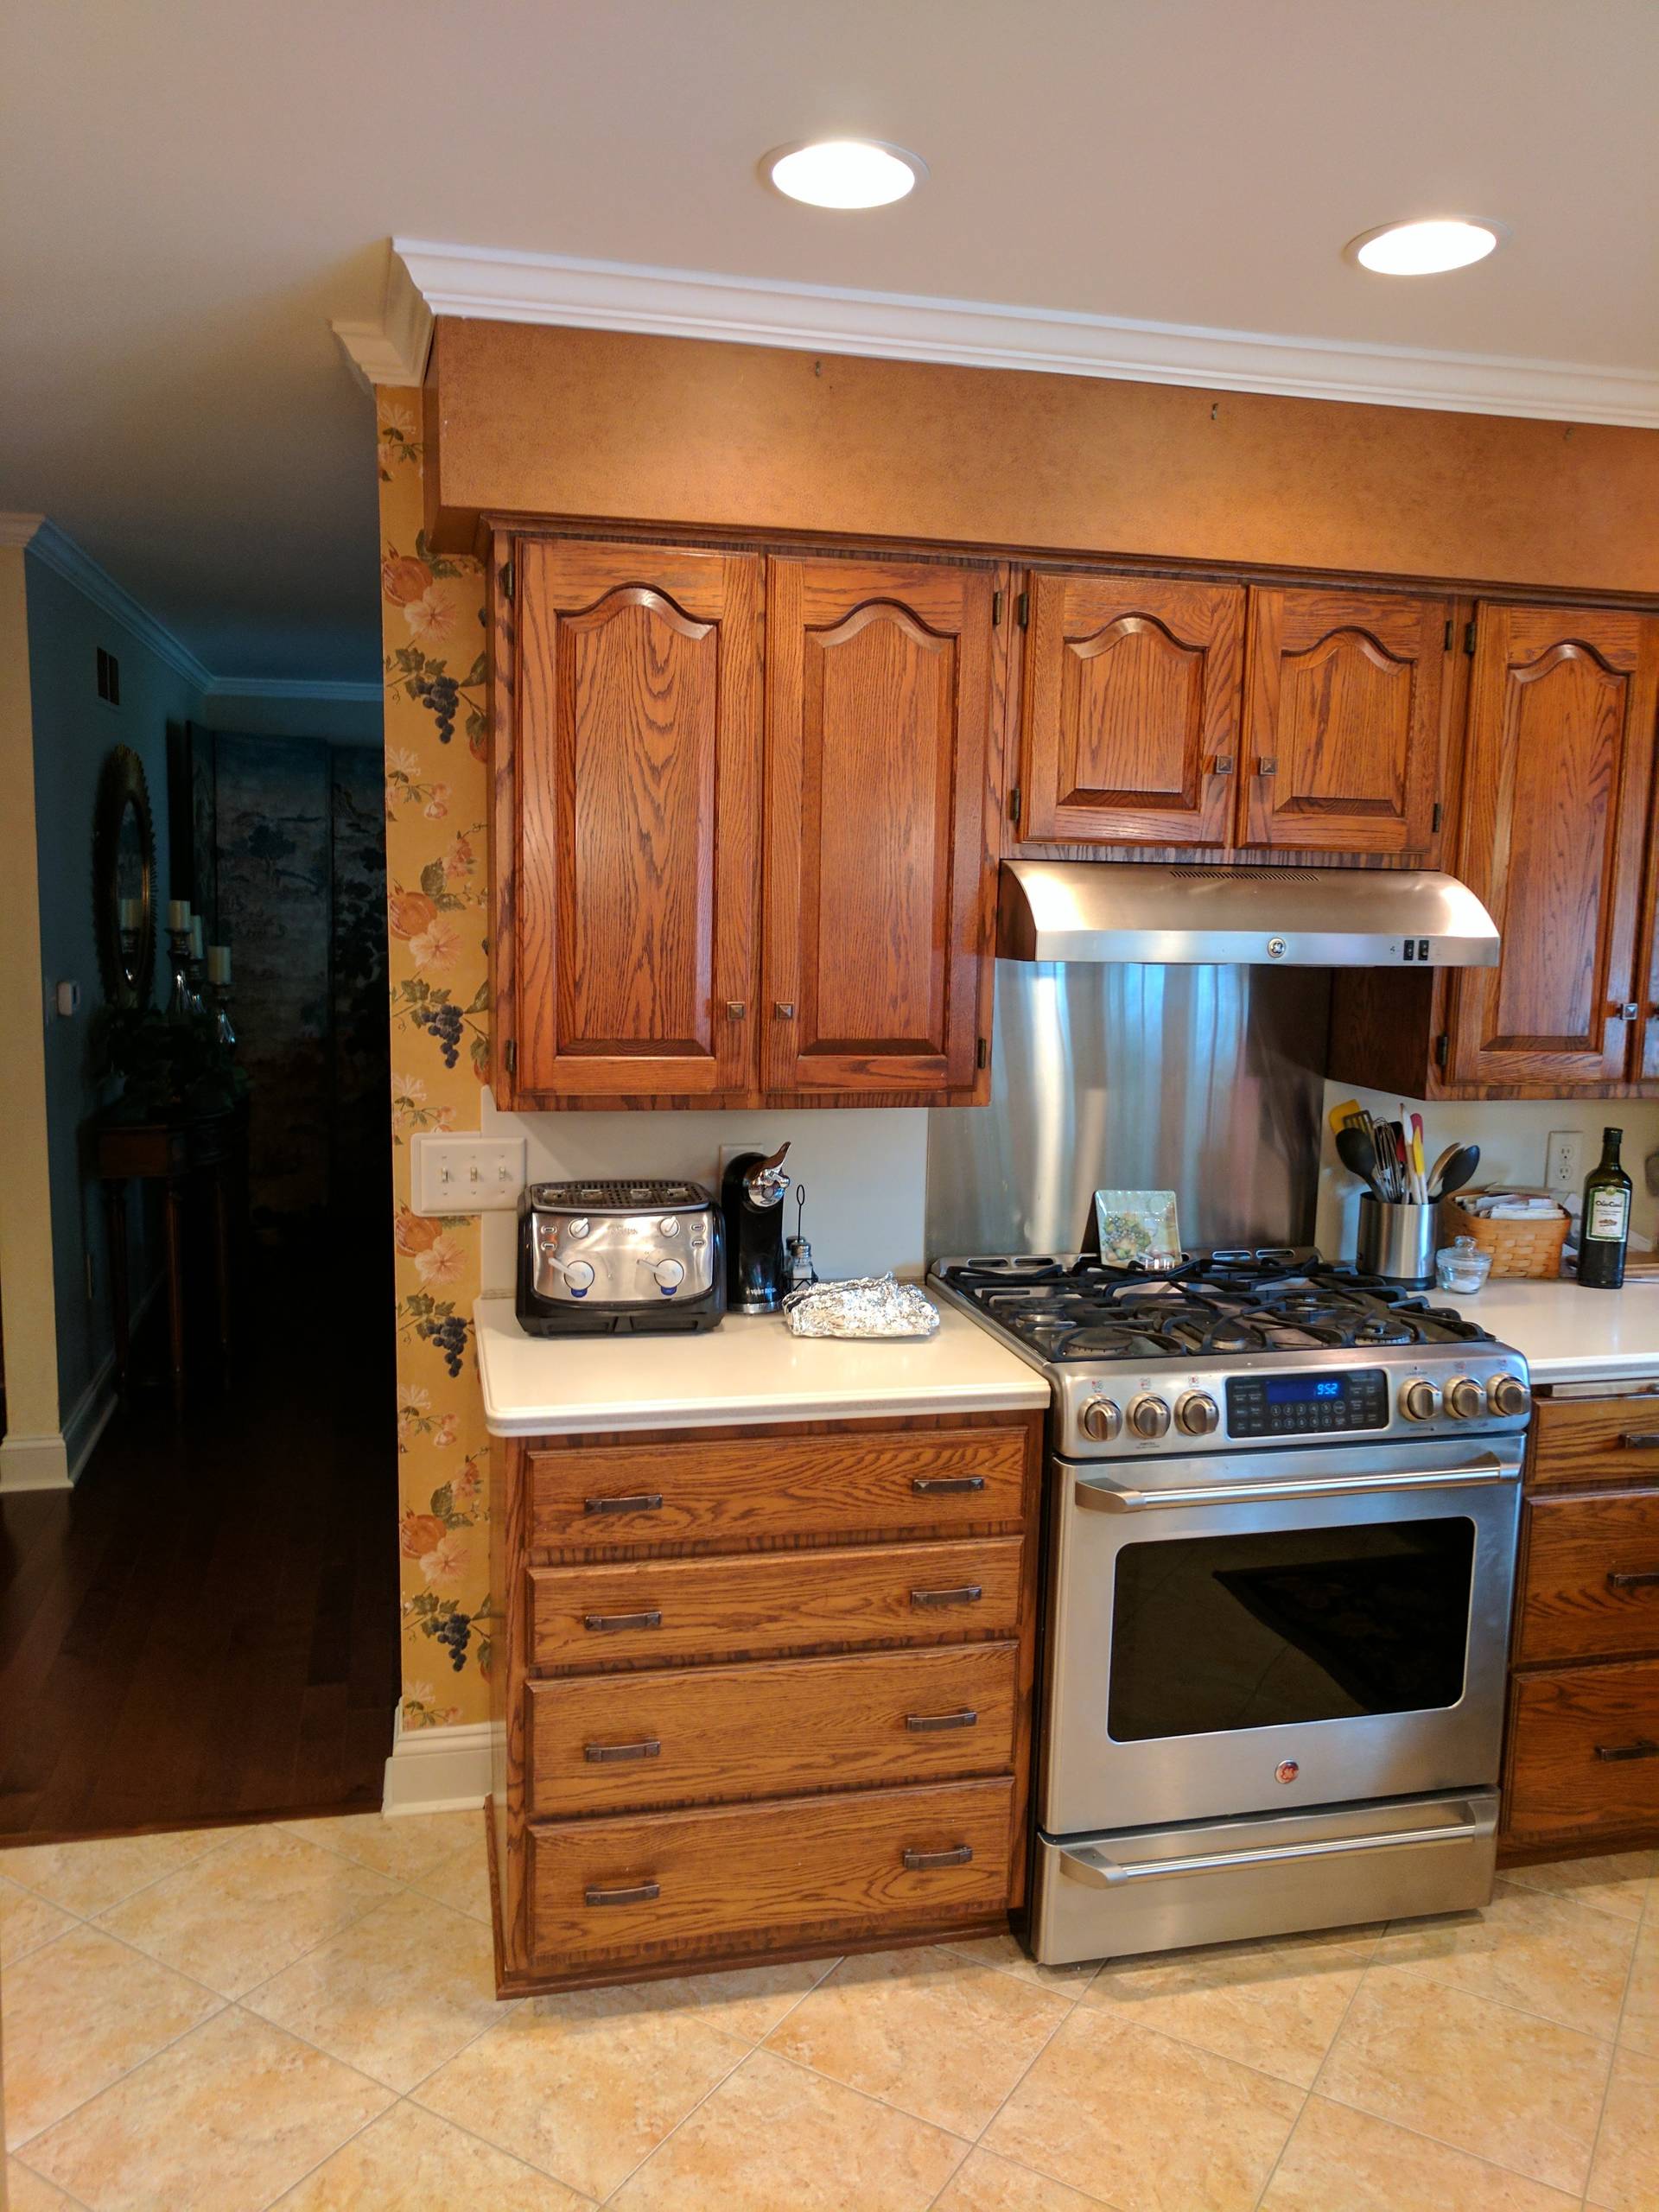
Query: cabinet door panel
{"points": [[879, 687], [1343, 722], [638, 756], [1557, 787], [1130, 713]]}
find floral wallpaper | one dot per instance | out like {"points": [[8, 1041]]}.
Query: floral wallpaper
{"points": [[432, 613]]}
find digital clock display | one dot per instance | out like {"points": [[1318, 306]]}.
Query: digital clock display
{"points": [[1304, 1391]]}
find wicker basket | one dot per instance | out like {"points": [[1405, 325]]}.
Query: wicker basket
{"points": [[1530, 1249]]}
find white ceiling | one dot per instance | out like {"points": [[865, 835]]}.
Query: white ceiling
{"points": [[193, 191]]}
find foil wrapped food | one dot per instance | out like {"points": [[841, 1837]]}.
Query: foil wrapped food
{"points": [[864, 1306]]}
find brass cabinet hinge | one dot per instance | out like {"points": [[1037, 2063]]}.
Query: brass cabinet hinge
{"points": [[1014, 804], [506, 580], [1022, 609], [1468, 637], [1440, 1044], [1439, 816], [982, 1053], [1448, 633], [996, 608], [510, 1057]]}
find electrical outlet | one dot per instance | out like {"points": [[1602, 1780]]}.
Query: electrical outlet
{"points": [[1564, 1162], [451, 1175]]}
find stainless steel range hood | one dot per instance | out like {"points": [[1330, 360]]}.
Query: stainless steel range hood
{"points": [[1191, 915]]}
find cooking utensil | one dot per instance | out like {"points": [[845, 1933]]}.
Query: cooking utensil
{"points": [[1457, 1172], [1440, 1167], [1350, 1110], [1358, 1155]]}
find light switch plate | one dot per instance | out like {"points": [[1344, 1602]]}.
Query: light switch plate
{"points": [[451, 1175]]}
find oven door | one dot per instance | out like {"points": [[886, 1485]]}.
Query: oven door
{"points": [[1274, 1630]]}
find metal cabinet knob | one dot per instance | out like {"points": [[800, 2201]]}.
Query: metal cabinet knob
{"points": [[1223, 765], [735, 1009], [1267, 766], [784, 1008], [1632, 1010]]}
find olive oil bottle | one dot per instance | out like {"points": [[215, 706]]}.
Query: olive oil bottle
{"points": [[1606, 1225]]}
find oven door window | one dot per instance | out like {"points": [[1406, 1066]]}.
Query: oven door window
{"points": [[1261, 1631]]}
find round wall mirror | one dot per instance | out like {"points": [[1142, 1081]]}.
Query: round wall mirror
{"points": [[124, 880]]}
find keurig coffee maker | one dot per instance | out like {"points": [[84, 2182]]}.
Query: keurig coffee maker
{"points": [[752, 1199]]}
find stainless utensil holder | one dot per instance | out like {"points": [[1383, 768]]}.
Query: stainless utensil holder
{"points": [[1397, 1242]]}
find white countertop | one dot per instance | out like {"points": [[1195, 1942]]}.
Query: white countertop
{"points": [[750, 1369], [1570, 1335]]}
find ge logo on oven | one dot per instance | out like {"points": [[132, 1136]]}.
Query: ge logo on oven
{"points": [[1286, 1770]]}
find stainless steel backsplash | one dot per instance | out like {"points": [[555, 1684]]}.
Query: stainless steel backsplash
{"points": [[1204, 1081]]}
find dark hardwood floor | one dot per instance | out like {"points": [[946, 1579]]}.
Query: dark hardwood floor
{"points": [[206, 1628]]}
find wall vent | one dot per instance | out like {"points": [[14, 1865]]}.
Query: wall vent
{"points": [[109, 678]]}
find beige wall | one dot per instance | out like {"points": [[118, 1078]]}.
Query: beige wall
{"points": [[33, 1451]]}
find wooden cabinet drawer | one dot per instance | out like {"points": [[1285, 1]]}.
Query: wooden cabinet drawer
{"points": [[799, 1871], [1584, 1753], [1578, 1440], [784, 1725], [732, 1491], [1593, 1577], [651, 1611]]}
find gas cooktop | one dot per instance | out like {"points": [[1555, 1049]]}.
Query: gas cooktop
{"points": [[1075, 1307], [1239, 1348]]}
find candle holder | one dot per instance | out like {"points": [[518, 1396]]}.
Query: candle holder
{"points": [[183, 1000], [222, 1029]]}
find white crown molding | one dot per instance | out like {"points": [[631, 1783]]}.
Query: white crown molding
{"points": [[295, 688], [38, 535], [392, 352], [512, 287]]}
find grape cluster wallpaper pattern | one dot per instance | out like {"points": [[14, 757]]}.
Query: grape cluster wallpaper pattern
{"points": [[437, 894]]}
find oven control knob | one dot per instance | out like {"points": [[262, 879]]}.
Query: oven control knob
{"points": [[578, 1275], [579, 1227], [1509, 1395], [1100, 1421], [1465, 1400], [1197, 1412], [1148, 1416], [1420, 1401]]}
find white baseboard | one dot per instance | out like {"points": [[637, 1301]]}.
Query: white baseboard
{"points": [[437, 1769], [34, 1463]]}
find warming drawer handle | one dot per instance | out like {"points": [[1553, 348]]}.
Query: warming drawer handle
{"points": [[946, 1485], [966, 1593], [645, 1500], [632, 1893], [1640, 1440], [1103, 1496], [600, 1754], [609, 1621], [1643, 1748], [923, 1724], [924, 1862], [1620, 1579], [1085, 1863]]}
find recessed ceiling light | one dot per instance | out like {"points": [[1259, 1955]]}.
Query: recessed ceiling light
{"points": [[1425, 249], [844, 172]]}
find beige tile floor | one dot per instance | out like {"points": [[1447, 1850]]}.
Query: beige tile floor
{"points": [[300, 2017]]}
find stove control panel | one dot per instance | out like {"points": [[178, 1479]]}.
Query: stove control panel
{"points": [[1315, 1404]]}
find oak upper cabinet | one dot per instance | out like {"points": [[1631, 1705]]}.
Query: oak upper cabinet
{"points": [[1558, 788], [1343, 740], [633, 814], [879, 703], [1130, 711]]}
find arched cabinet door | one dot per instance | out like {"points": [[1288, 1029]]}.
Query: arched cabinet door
{"points": [[878, 688], [1342, 723], [1558, 787], [633, 902], [1130, 711]]}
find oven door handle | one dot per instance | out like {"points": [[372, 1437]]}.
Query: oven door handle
{"points": [[1101, 1495], [1086, 1863]]}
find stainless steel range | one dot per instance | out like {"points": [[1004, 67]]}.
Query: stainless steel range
{"points": [[1283, 1506]]}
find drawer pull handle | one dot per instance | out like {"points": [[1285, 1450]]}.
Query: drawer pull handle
{"points": [[966, 1593], [646, 1501], [597, 1754], [606, 1621], [1643, 1748], [923, 1724], [924, 1862], [634, 1893], [1616, 1580], [946, 1485], [1640, 1440]]}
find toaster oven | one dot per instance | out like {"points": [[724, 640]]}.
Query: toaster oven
{"points": [[617, 1258]]}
